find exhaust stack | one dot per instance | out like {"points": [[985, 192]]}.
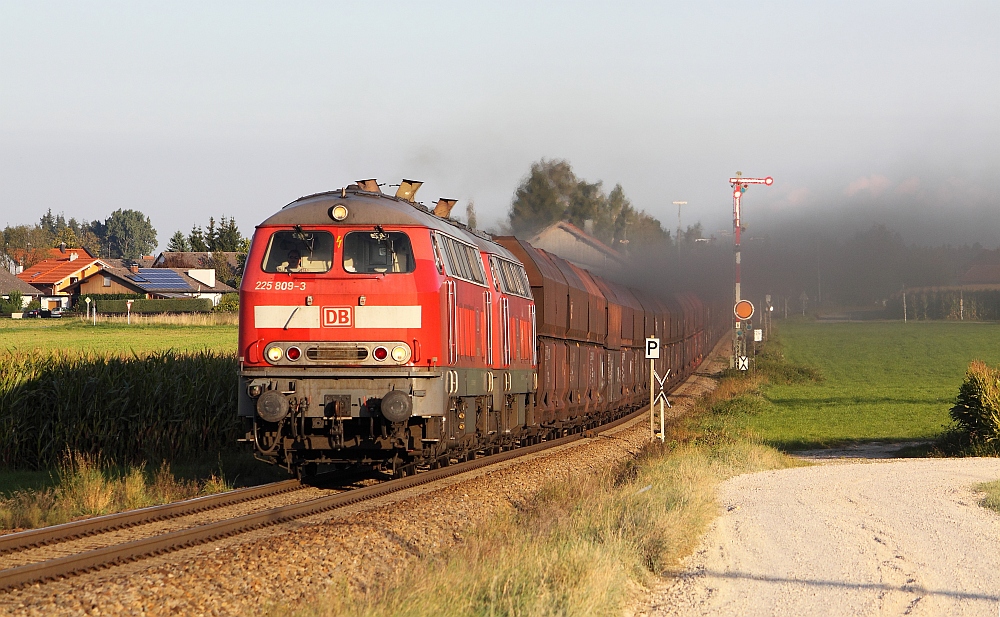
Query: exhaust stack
{"points": [[370, 185], [444, 206], [407, 189]]}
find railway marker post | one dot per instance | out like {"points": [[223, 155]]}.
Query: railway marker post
{"points": [[653, 354]]}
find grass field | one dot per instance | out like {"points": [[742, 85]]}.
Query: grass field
{"points": [[216, 332], [881, 381]]}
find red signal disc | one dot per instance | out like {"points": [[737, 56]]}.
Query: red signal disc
{"points": [[743, 309]]}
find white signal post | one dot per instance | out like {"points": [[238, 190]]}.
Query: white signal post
{"points": [[740, 184], [653, 354]]}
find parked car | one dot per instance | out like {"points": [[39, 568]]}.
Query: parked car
{"points": [[33, 313], [52, 313]]}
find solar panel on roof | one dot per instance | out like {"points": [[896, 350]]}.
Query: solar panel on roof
{"points": [[161, 278]]}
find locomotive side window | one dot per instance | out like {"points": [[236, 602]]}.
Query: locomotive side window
{"points": [[373, 252], [461, 260], [299, 251], [511, 277]]}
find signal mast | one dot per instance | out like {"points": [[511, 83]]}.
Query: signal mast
{"points": [[742, 309]]}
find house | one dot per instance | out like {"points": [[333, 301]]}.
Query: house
{"points": [[574, 244], [10, 283], [54, 276], [154, 283], [171, 259]]}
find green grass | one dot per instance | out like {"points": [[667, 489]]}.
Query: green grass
{"points": [[142, 336], [881, 381]]}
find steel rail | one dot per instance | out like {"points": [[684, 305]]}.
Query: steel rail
{"points": [[123, 553], [110, 522]]}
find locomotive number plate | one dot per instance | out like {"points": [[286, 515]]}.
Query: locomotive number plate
{"points": [[280, 286]]}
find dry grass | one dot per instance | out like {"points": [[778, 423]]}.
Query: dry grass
{"points": [[587, 545], [992, 498], [168, 319], [88, 487]]}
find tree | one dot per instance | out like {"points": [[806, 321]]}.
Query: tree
{"points": [[178, 243], [130, 234], [227, 237], [196, 240], [542, 197]]}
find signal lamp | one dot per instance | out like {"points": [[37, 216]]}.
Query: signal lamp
{"points": [[400, 353], [737, 193], [380, 353], [293, 353], [338, 212], [769, 181], [274, 353]]}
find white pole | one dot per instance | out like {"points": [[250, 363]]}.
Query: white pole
{"points": [[652, 429], [663, 428]]}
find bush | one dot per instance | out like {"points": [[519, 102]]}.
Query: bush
{"points": [[162, 406], [12, 304], [174, 305], [977, 409], [229, 303]]}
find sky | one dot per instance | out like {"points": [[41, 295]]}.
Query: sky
{"points": [[862, 112]]}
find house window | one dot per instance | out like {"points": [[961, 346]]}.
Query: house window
{"points": [[107, 281]]}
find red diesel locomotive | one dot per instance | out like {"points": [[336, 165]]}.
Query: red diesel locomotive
{"points": [[373, 331]]}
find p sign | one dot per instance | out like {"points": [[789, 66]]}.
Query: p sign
{"points": [[337, 316], [652, 349]]}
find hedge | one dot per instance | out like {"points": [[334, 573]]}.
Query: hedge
{"points": [[173, 305]]}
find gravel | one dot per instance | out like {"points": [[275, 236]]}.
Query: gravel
{"points": [[291, 565], [892, 537]]}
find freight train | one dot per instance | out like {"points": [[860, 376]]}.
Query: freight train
{"points": [[376, 331]]}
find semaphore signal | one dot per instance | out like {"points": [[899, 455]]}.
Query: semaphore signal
{"points": [[740, 185]]}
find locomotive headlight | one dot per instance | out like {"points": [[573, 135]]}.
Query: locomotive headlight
{"points": [[273, 353], [400, 353], [338, 212]]}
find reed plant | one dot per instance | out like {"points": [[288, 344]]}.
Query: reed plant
{"points": [[131, 409]]}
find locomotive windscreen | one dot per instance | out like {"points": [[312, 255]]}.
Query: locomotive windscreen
{"points": [[368, 252], [299, 251]]}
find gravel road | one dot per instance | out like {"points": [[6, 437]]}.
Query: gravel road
{"points": [[892, 537]]}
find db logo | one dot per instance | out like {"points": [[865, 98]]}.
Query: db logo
{"points": [[337, 316]]}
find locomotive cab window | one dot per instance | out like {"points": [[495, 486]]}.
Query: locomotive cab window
{"points": [[374, 252], [298, 250]]}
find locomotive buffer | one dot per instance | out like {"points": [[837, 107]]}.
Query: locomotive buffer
{"points": [[653, 354]]}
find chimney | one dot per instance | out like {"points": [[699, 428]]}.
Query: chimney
{"points": [[588, 226], [134, 268], [444, 206], [62, 247], [73, 256]]}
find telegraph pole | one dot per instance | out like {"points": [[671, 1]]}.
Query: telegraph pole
{"points": [[742, 309], [679, 204]]}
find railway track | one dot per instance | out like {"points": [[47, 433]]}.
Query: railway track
{"points": [[78, 562]]}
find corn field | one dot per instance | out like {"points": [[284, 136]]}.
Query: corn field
{"points": [[161, 406]]}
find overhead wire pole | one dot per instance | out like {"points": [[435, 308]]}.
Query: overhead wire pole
{"points": [[741, 312]]}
